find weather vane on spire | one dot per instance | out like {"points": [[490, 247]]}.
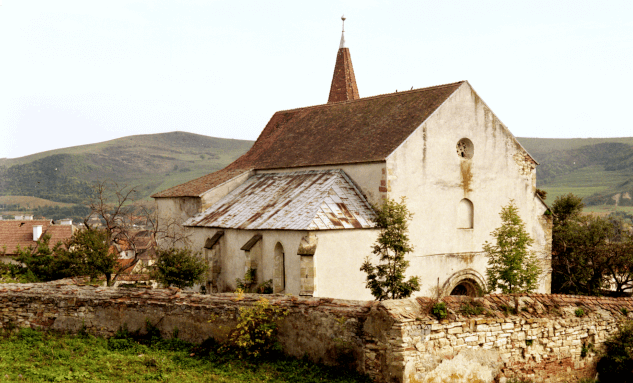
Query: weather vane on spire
{"points": [[342, 45]]}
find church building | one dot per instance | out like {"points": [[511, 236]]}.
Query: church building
{"points": [[297, 208]]}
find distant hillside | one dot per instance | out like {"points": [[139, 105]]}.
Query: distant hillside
{"points": [[152, 162], [598, 169]]}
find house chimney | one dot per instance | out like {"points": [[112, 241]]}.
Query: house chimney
{"points": [[37, 232], [343, 86]]}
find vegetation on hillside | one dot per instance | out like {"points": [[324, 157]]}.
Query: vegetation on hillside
{"points": [[598, 169], [151, 163]]}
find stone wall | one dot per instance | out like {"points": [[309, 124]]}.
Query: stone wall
{"points": [[392, 341], [547, 340], [325, 329]]}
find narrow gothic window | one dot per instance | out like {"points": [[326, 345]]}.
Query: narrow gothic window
{"points": [[279, 276], [465, 214]]}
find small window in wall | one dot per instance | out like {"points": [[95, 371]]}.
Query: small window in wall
{"points": [[465, 148], [465, 214], [279, 274]]}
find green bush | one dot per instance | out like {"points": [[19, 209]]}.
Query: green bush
{"points": [[616, 364], [579, 312], [439, 310], [473, 308], [179, 267], [256, 330]]}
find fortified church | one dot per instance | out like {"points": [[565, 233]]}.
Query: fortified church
{"points": [[297, 207]]}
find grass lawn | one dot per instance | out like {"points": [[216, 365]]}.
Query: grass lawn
{"points": [[33, 356]]}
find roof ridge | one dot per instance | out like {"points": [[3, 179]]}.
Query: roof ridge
{"points": [[371, 97]]}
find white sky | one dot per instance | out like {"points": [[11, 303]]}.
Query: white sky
{"points": [[78, 72]]}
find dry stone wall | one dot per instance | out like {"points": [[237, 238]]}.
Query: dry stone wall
{"points": [[547, 340], [392, 341]]}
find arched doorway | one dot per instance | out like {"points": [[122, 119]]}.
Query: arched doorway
{"points": [[279, 276], [467, 287], [467, 282]]}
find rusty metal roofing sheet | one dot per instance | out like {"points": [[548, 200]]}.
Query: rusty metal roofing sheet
{"points": [[306, 200]]}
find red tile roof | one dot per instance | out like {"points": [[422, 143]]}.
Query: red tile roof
{"points": [[18, 232], [357, 131]]}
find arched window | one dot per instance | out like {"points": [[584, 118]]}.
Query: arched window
{"points": [[465, 214], [279, 276]]}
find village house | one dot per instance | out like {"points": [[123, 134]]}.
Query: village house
{"points": [[26, 232], [297, 207]]}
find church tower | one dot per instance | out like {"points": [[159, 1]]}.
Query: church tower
{"points": [[343, 82]]}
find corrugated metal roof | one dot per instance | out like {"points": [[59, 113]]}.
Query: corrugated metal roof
{"points": [[307, 200]]}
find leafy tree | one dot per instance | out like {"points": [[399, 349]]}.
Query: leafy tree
{"points": [[179, 267], [590, 254], [132, 225], [512, 267], [89, 253], [40, 263], [386, 280]]}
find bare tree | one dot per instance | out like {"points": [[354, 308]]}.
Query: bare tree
{"points": [[133, 226]]}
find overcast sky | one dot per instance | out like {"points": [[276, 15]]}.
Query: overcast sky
{"points": [[79, 72]]}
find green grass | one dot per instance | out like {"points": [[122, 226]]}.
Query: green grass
{"points": [[33, 356]]}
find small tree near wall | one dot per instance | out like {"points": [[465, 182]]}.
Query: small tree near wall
{"points": [[386, 280], [179, 268], [512, 267]]}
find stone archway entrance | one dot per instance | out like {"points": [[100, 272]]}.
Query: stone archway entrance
{"points": [[467, 287], [466, 282]]}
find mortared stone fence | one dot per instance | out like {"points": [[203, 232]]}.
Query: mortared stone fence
{"points": [[550, 338]]}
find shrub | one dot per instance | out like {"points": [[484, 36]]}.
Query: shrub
{"points": [[472, 308], [265, 287], [249, 280], [256, 330], [616, 365], [439, 310], [179, 267], [579, 312], [624, 311]]}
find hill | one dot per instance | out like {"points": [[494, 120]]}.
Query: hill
{"points": [[152, 162], [598, 169]]}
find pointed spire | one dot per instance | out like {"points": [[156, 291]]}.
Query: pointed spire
{"points": [[342, 44], [343, 86]]}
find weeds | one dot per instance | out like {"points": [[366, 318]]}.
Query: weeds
{"points": [[256, 330], [508, 310], [579, 312], [33, 356], [439, 310], [473, 307]]}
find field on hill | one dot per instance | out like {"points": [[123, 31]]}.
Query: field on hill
{"points": [[150, 163], [598, 169]]}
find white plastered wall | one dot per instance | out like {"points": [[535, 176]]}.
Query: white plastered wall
{"points": [[337, 261], [427, 170], [233, 259]]}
